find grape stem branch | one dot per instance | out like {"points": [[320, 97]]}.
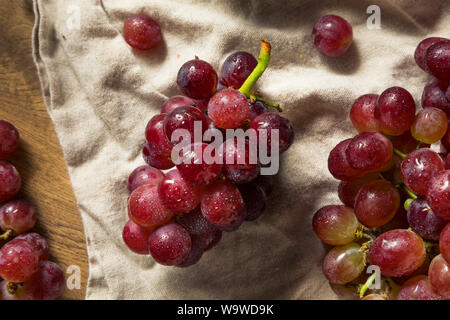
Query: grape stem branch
{"points": [[400, 154], [6, 235], [367, 284]]}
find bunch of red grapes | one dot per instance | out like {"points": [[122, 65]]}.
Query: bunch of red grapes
{"points": [[26, 273], [395, 192], [178, 215]]}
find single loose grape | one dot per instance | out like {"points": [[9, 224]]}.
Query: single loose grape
{"points": [[438, 194], [339, 166], [362, 113], [424, 221], [236, 69], [332, 35], [142, 32], [417, 288], [430, 125], [344, 264], [9, 139], [439, 275], [197, 79], [421, 50], [144, 175], [228, 109]]}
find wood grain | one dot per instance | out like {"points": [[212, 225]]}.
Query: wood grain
{"points": [[39, 160]]}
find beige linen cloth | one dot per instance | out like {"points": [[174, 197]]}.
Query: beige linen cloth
{"points": [[100, 95]]}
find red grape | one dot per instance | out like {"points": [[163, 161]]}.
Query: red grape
{"points": [[197, 79], [439, 275], [10, 181], [157, 151], [136, 237], [170, 244], [430, 125], [437, 60], [339, 166], [446, 139], [236, 69], [9, 139], [144, 175], [175, 102], [38, 243], [424, 221], [257, 108], [419, 167], [47, 283], [266, 122], [447, 162], [421, 50], [18, 216], [197, 249], [406, 143], [434, 96], [195, 223], [395, 111], [444, 243], [142, 32], [349, 189], [18, 261], [185, 118], [255, 200], [228, 109], [222, 205], [146, 208], [177, 194], [362, 113], [335, 225], [438, 194], [417, 288], [196, 167], [377, 203], [211, 238], [397, 252], [160, 161], [238, 164], [344, 264], [369, 152], [332, 35]]}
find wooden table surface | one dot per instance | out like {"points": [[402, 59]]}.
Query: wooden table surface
{"points": [[39, 160]]}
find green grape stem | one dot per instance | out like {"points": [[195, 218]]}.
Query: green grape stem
{"points": [[8, 233], [407, 203], [409, 192], [367, 284], [400, 154]]}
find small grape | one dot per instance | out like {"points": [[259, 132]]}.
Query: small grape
{"points": [[197, 249], [175, 102], [136, 237], [266, 122], [222, 205], [417, 288], [238, 164], [419, 167], [421, 50], [439, 276], [144, 175], [38, 243], [146, 208], [257, 108], [9, 139], [362, 113], [437, 60], [185, 118], [236, 69], [18, 261], [434, 96], [424, 221], [157, 151], [438, 194], [444, 243], [228, 109], [395, 111], [170, 244], [369, 152], [339, 166], [335, 225], [349, 189], [332, 35], [197, 79], [18, 216], [142, 32], [430, 125], [344, 264], [10, 181], [255, 200], [397, 252], [376, 203]]}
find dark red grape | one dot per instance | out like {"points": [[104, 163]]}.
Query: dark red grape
{"points": [[144, 175], [211, 239], [417, 288], [255, 200], [170, 244], [228, 109], [142, 32], [437, 60], [434, 96], [439, 275], [395, 111], [195, 223], [9, 139], [18, 216], [369, 152], [185, 118], [349, 189], [446, 140], [424, 221], [18, 261], [197, 249], [236, 69], [447, 162], [438, 194], [419, 167], [257, 108], [10, 181], [444, 242], [197, 79], [222, 205], [362, 113], [397, 252], [421, 50], [344, 264], [146, 208], [38, 243], [430, 125], [266, 122], [377, 203], [332, 35], [177, 194], [335, 225], [339, 166], [265, 182], [136, 237], [157, 151], [198, 165], [240, 162], [47, 283], [175, 102]]}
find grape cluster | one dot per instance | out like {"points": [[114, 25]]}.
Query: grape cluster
{"points": [[177, 215], [395, 191], [26, 273]]}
